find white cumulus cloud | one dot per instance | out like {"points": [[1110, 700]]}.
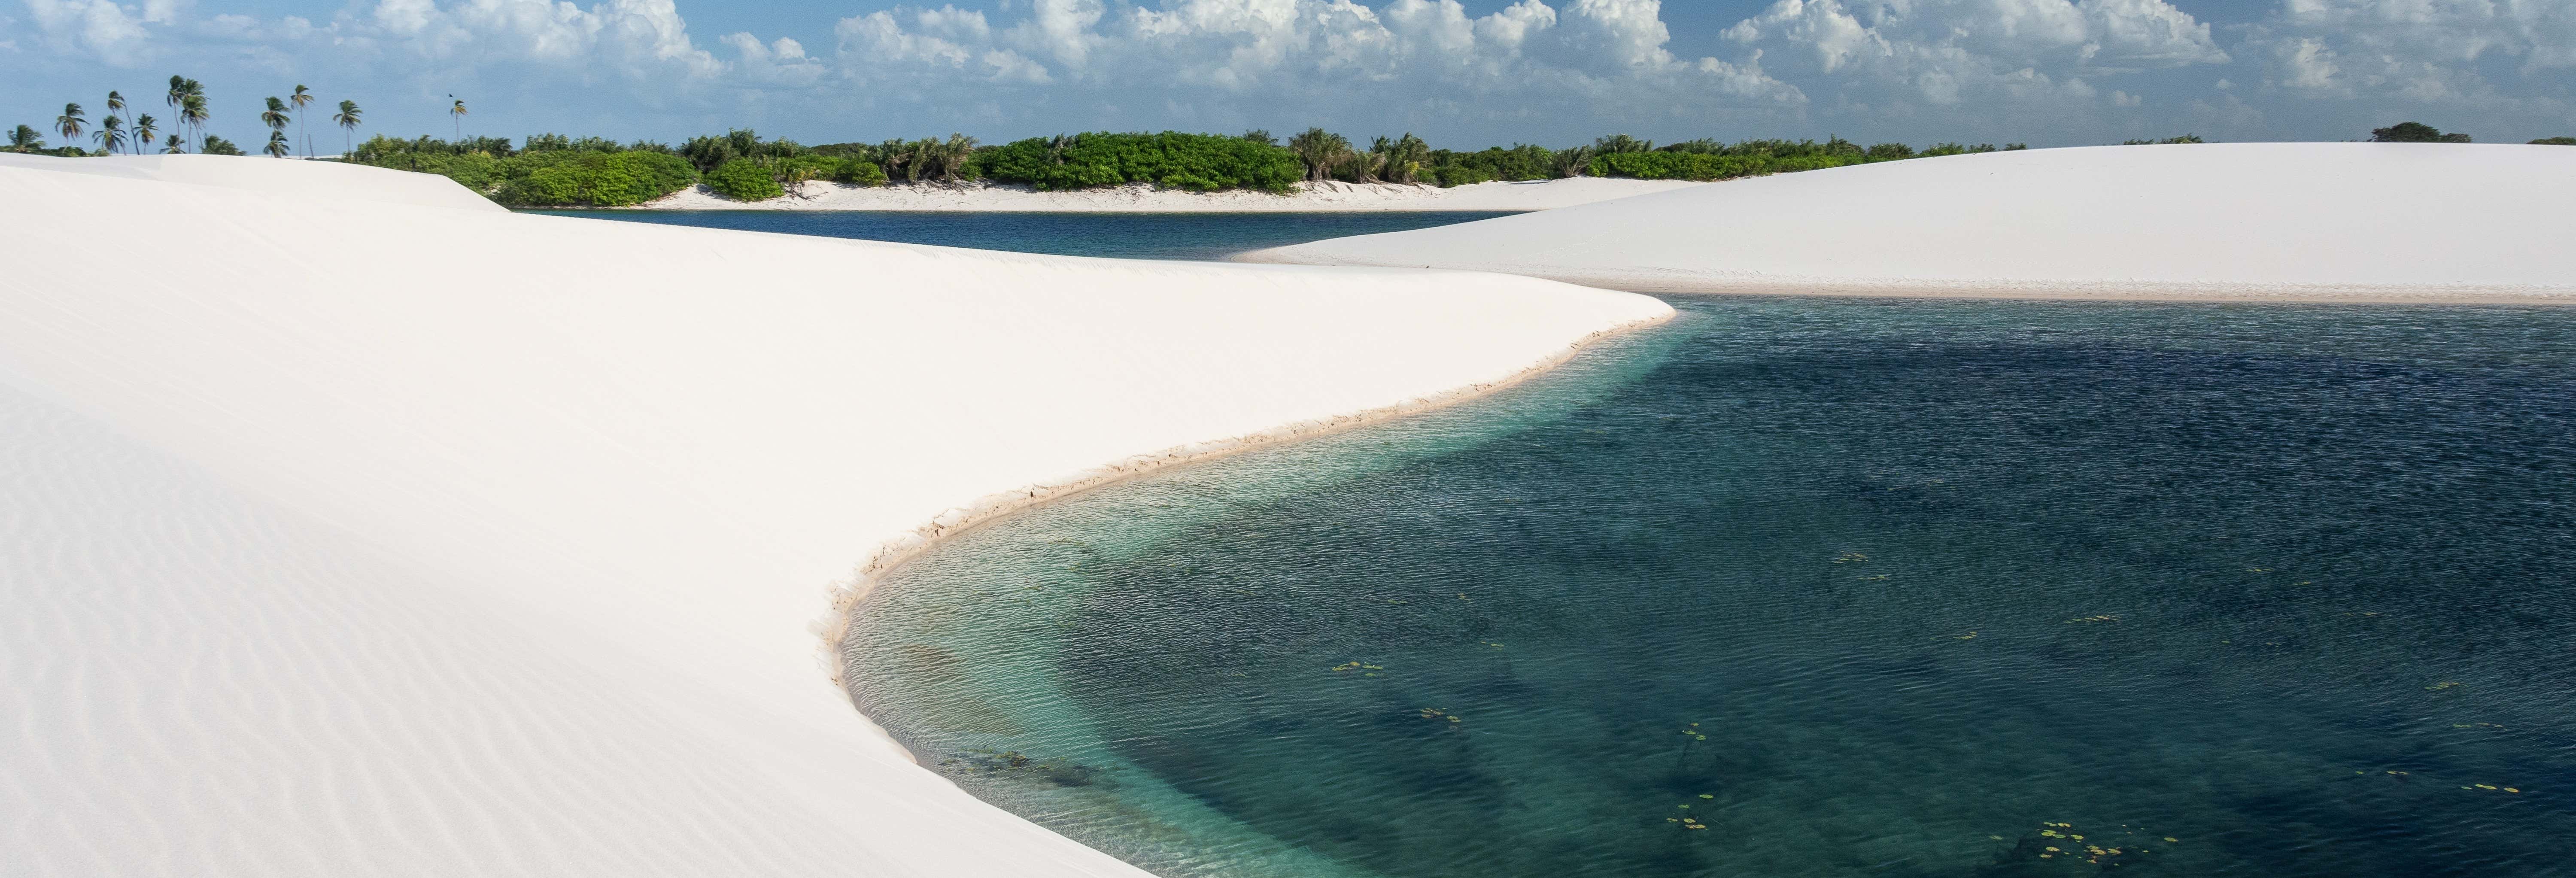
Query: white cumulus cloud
{"points": [[2421, 50], [1274, 62], [1948, 52], [1558, 71], [99, 29]]}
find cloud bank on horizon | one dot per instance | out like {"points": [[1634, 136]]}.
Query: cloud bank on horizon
{"points": [[2048, 72]]}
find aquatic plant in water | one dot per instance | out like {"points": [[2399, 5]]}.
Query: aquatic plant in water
{"points": [[2063, 841], [1012, 763]]}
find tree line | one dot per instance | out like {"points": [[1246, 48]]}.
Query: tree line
{"points": [[125, 128], [554, 170]]}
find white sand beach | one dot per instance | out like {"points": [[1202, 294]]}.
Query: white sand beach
{"points": [[1330, 196], [359, 528], [2259, 221]]}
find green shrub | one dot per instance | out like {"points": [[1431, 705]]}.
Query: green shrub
{"points": [[1942, 149], [476, 171], [1197, 162], [744, 180], [2414, 132], [1520, 163], [1704, 167], [596, 179], [860, 172], [1460, 175], [555, 171], [2555, 141]]}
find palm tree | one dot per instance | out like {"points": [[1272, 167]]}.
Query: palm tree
{"points": [[1413, 152], [1320, 150], [277, 145], [1381, 155], [173, 146], [457, 113], [275, 117], [115, 105], [71, 123], [192, 110], [188, 98], [25, 139], [111, 134], [954, 155], [1400, 160], [895, 156], [302, 97], [146, 130], [347, 119], [915, 158], [1364, 166], [1574, 162], [1617, 144]]}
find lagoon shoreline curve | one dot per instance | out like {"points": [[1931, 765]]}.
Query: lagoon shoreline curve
{"points": [[396, 534]]}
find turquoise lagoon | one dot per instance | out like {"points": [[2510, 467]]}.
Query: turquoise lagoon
{"points": [[1796, 587]]}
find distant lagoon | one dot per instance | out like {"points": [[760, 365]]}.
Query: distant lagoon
{"points": [[1121, 235]]}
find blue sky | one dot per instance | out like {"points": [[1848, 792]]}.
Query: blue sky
{"points": [[1462, 73]]}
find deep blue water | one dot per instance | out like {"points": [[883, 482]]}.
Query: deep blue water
{"points": [[1126, 235], [1861, 587]]}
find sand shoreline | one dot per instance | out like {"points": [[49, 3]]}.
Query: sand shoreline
{"points": [[1680, 284], [1325, 197], [895, 553]]}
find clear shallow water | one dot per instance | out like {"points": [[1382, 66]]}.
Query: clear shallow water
{"points": [[1123, 235], [2288, 585]]}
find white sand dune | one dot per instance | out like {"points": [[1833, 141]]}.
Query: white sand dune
{"points": [[349, 535], [2312, 221], [1326, 197], [356, 182]]}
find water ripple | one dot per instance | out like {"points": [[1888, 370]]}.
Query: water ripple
{"points": [[1799, 587]]}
